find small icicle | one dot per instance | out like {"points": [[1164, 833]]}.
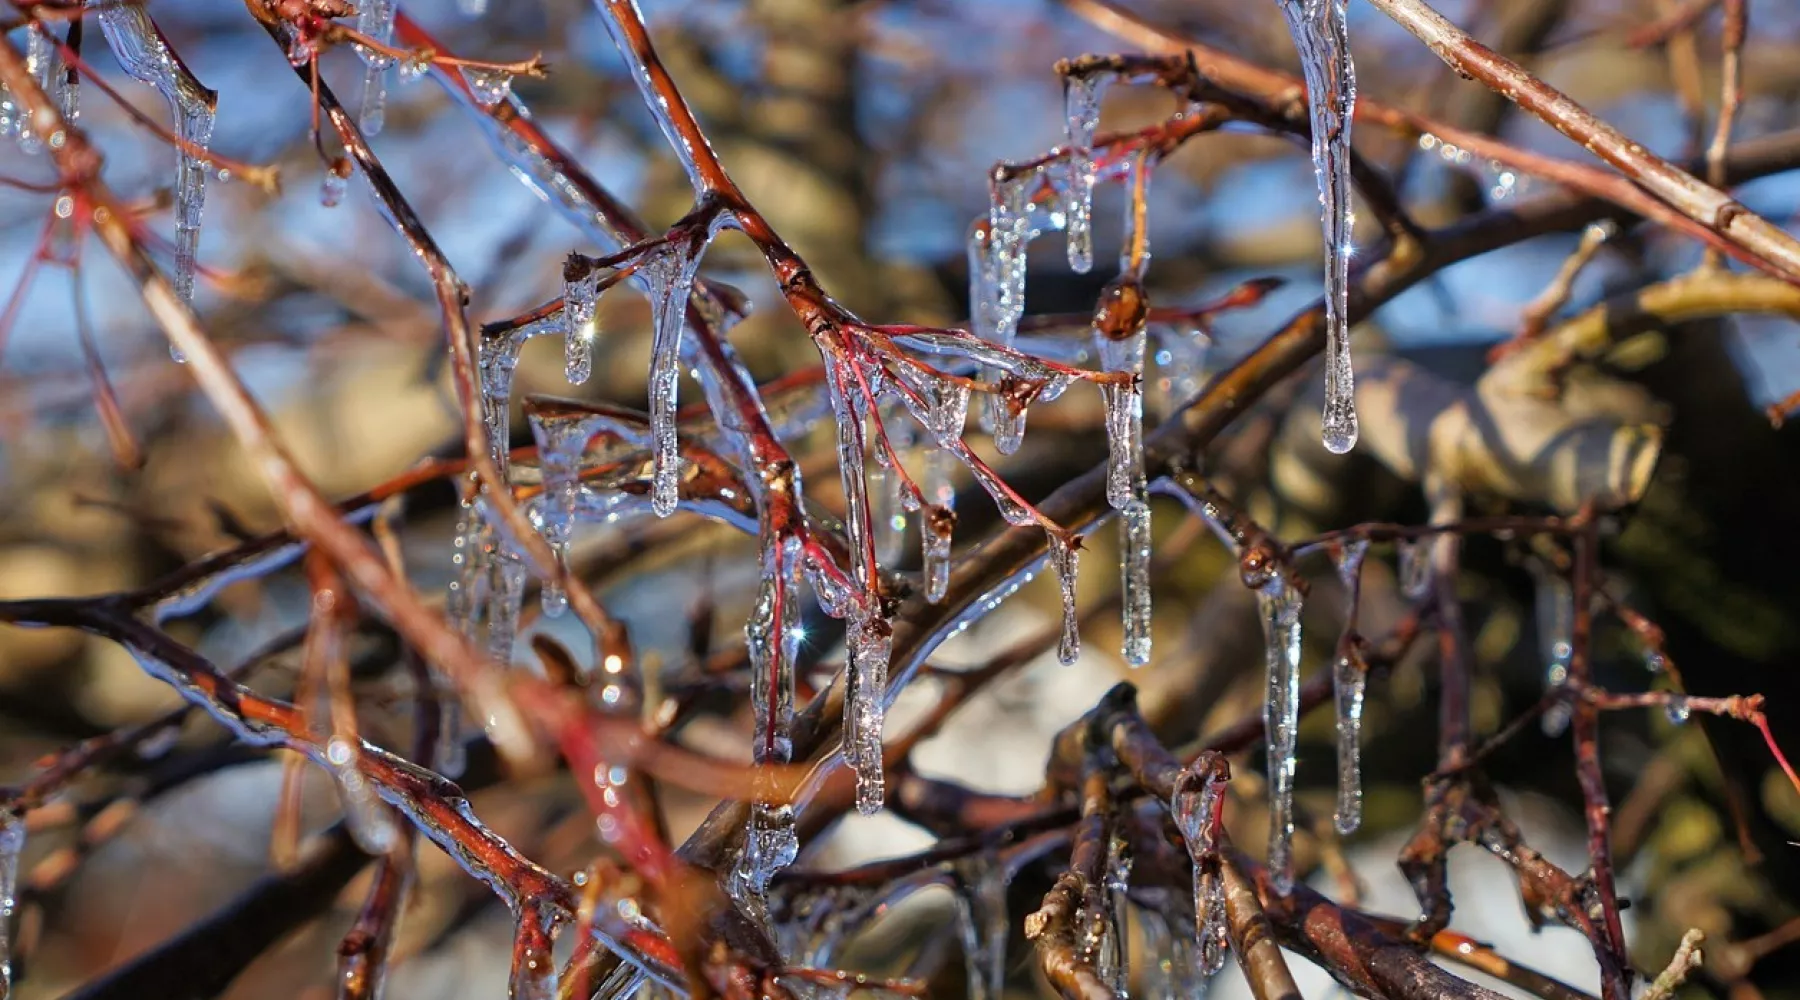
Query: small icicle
{"points": [[461, 599], [12, 844], [143, 54], [937, 528], [1199, 796], [1115, 952], [772, 638], [671, 278], [889, 498], [982, 924], [1556, 627], [534, 973], [1180, 358], [490, 86], [1349, 682], [1280, 604], [42, 62], [869, 644], [1081, 99], [1135, 541], [366, 816], [506, 595], [498, 357], [1065, 554], [375, 20], [562, 443], [984, 290], [1322, 37], [1414, 567]]}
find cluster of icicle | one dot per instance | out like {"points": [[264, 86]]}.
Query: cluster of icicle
{"points": [[1321, 34], [143, 53]]}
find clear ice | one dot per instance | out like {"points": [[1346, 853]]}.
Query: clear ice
{"points": [[1322, 36], [981, 923], [12, 844], [671, 276], [1064, 558], [1081, 98], [375, 20], [869, 645], [1119, 341]]}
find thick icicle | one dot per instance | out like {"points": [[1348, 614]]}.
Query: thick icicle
{"points": [[562, 441], [1322, 37], [12, 844], [1349, 682], [869, 644], [1119, 340], [141, 51], [1199, 797], [375, 19], [1280, 604], [367, 817], [1065, 554], [981, 923], [1081, 99], [671, 277]]}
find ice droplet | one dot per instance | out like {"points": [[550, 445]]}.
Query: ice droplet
{"points": [[1322, 36], [1065, 555], [1677, 709], [1198, 798], [332, 187], [142, 53], [1280, 604], [490, 86]]}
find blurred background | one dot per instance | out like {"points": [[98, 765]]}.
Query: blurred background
{"points": [[864, 131]]}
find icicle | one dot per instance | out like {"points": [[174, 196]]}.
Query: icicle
{"points": [[534, 973], [490, 86], [1114, 965], [1119, 339], [12, 844], [981, 923], [498, 357], [1196, 804], [506, 595], [1280, 604], [1009, 216], [772, 639], [472, 8], [375, 20], [984, 291], [1322, 37], [1081, 98], [1556, 627], [1414, 567], [367, 818], [937, 528], [671, 277], [1349, 681], [869, 645], [142, 53], [562, 442], [42, 62], [1064, 556], [888, 497], [1677, 709]]}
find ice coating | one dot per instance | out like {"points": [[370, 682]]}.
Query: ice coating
{"points": [[141, 51], [1065, 554], [1322, 37], [1196, 804]]}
